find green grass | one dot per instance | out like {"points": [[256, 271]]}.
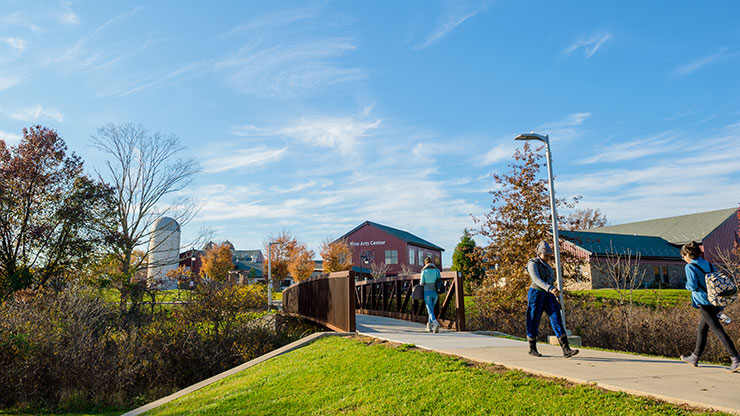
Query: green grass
{"points": [[346, 376], [647, 297]]}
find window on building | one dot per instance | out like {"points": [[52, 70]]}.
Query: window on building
{"points": [[412, 256], [437, 261], [367, 257], [391, 257], [666, 279], [421, 257], [656, 273]]}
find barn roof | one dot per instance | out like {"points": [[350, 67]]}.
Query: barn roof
{"points": [[400, 234], [622, 244], [676, 230]]}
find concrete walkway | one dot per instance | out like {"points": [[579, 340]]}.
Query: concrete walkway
{"points": [[674, 381]]}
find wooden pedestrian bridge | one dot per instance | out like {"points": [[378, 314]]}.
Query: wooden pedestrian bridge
{"points": [[334, 300]]}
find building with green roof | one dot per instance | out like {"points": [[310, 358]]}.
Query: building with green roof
{"points": [[652, 247]]}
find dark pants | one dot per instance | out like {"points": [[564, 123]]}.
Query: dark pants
{"points": [[537, 302], [709, 321]]}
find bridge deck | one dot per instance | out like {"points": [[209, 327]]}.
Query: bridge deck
{"points": [[707, 386]]}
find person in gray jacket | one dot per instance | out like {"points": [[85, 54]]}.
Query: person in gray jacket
{"points": [[429, 276], [543, 296]]}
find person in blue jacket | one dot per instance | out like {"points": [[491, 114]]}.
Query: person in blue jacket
{"points": [[543, 296], [429, 275], [696, 269]]}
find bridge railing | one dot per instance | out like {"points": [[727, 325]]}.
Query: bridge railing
{"points": [[391, 297], [326, 300]]}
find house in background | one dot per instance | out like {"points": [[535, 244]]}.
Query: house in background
{"points": [[376, 243], [657, 242], [248, 264]]}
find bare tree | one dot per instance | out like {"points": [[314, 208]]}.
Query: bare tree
{"points": [[623, 270], [146, 176], [729, 264], [584, 219], [378, 270]]}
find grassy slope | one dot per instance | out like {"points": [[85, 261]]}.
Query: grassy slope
{"points": [[346, 376]]}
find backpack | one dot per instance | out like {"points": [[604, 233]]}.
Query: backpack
{"points": [[440, 285], [721, 290]]}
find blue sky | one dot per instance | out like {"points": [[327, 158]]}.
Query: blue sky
{"points": [[312, 117]]}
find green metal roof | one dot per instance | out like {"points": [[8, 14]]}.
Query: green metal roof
{"points": [[400, 234], [606, 243], [676, 230]]}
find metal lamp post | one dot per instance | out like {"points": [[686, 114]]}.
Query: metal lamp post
{"points": [[269, 273], [546, 139]]}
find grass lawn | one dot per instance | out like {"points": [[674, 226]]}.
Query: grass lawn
{"points": [[646, 297], [354, 376]]}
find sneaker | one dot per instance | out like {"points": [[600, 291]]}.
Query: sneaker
{"points": [[724, 318], [735, 367], [690, 359], [428, 328], [436, 327]]}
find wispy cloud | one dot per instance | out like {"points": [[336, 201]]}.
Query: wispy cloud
{"points": [[10, 138], [567, 128], [7, 81], [340, 133], [243, 159], [289, 71], [498, 153], [693, 66], [451, 19], [274, 20], [659, 187], [634, 149], [589, 44], [33, 113], [16, 44]]}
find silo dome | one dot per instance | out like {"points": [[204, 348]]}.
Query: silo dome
{"points": [[164, 251]]}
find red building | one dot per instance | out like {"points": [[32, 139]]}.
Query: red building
{"points": [[375, 243]]}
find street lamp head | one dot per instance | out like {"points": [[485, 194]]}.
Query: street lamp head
{"points": [[533, 136]]}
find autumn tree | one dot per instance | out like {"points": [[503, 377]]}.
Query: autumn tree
{"points": [[519, 219], [279, 255], [337, 255], [584, 219], [50, 211], [217, 262], [147, 176], [464, 260], [301, 263]]}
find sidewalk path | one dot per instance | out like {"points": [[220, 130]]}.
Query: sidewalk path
{"points": [[674, 381]]}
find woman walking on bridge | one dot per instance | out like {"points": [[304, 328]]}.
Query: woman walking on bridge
{"points": [[429, 277], [542, 295]]}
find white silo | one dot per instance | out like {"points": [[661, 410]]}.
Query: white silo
{"points": [[164, 251]]}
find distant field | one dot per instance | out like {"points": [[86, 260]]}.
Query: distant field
{"points": [[646, 297], [349, 376]]}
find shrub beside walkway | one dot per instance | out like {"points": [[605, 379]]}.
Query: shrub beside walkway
{"points": [[674, 381]]}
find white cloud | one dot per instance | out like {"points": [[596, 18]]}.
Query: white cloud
{"points": [[10, 138], [243, 158], [7, 81], [567, 128], [451, 19], [289, 71], [342, 134], [634, 149], [33, 113], [498, 153], [589, 44], [693, 66], [16, 44]]}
